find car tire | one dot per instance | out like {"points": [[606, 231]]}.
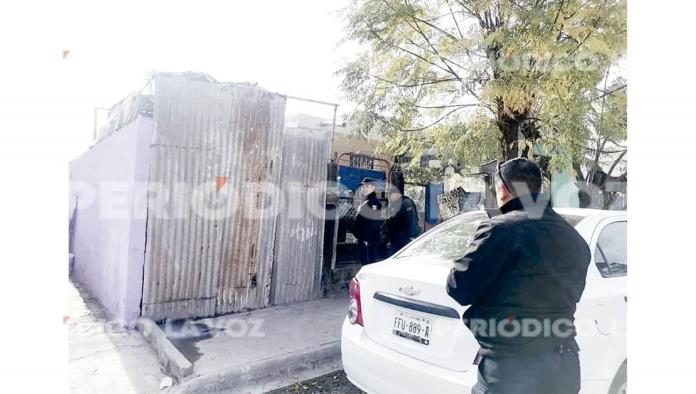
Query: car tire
{"points": [[618, 385]]}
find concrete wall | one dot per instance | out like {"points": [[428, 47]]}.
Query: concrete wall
{"points": [[109, 184]]}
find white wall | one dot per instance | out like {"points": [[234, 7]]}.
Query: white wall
{"points": [[109, 183]]}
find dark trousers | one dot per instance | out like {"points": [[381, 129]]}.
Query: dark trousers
{"points": [[369, 251], [396, 244], [547, 373]]}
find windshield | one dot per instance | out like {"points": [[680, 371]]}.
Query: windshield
{"points": [[450, 239]]}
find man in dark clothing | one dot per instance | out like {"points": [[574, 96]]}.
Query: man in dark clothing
{"points": [[402, 220], [368, 223], [523, 274]]}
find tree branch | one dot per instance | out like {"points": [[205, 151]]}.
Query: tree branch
{"points": [[616, 143], [610, 92], [601, 116], [475, 14], [415, 85], [420, 31], [578, 9], [578, 171], [618, 159], [448, 34], [461, 36], [376, 35], [425, 37], [447, 106], [561, 98], [424, 127], [560, 6], [560, 29]]}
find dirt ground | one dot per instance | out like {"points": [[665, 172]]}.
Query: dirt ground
{"points": [[334, 383]]}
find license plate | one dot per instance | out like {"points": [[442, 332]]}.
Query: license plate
{"points": [[415, 328]]}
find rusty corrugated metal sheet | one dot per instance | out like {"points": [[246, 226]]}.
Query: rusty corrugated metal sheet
{"points": [[248, 251], [300, 229], [208, 135]]}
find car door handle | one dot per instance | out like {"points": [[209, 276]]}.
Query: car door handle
{"points": [[625, 298]]}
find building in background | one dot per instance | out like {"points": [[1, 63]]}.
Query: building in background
{"points": [[345, 138]]}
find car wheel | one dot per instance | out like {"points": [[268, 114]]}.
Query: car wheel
{"points": [[618, 385]]}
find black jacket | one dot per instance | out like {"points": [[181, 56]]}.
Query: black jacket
{"points": [[523, 265], [368, 222], [403, 223]]}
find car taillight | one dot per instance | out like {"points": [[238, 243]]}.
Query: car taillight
{"points": [[355, 309]]}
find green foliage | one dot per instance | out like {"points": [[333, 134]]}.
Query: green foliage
{"points": [[422, 175], [470, 76]]}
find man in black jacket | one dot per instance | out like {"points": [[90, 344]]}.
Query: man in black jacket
{"points": [[367, 227], [523, 274], [402, 220]]}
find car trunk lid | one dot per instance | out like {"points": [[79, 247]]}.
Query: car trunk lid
{"points": [[406, 308]]}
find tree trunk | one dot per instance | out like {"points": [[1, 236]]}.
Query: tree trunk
{"points": [[578, 172], [531, 133], [509, 137]]}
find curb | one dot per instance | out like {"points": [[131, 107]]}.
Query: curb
{"points": [[270, 374], [169, 356]]}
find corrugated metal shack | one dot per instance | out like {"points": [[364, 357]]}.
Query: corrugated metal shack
{"points": [[228, 201]]}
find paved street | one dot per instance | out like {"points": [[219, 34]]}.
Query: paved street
{"points": [[333, 383], [103, 358]]}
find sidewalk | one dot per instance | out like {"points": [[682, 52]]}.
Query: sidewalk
{"points": [[261, 350], [104, 358], [250, 352]]}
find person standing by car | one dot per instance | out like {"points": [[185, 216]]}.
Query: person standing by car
{"points": [[401, 224], [523, 274], [367, 227]]}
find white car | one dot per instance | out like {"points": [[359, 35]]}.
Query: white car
{"points": [[381, 355]]}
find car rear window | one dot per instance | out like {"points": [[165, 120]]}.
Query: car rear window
{"points": [[449, 240]]}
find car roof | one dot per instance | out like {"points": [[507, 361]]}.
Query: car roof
{"points": [[586, 219], [587, 212], [585, 216], [581, 212]]}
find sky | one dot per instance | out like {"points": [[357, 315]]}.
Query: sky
{"points": [[290, 47]]}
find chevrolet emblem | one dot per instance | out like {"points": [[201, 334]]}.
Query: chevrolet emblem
{"points": [[409, 291]]}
